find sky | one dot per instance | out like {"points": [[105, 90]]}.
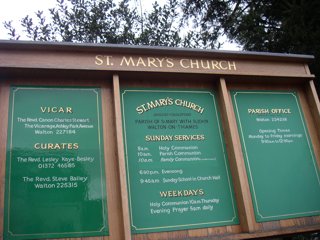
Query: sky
{"points": [[15, 10]]}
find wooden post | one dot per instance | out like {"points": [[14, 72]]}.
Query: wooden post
{"points": [[237, 167], [4, 100], [314, 104], [120, 149]]}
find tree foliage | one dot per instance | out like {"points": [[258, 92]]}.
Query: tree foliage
{"points": [[104, 21], [265, 25], [161, 27], [82, 21], [287, 26]]}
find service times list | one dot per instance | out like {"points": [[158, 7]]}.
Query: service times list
{"points": [[171, 175], [177, 170], [56, 159]]}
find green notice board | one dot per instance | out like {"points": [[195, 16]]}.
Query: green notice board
{"points": [[55, 180], [281, 166], [177, 169]]}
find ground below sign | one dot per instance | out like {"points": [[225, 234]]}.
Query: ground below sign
{"points": [[177, 169], [55, 181]]}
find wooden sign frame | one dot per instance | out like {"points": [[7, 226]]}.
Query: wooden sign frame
{"points": [[113, 67]]}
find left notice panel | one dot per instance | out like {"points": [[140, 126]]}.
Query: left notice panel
{"points": [[55, 179]]}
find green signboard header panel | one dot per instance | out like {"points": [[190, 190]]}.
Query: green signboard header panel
{"points": [[55, 180], [177, 169], [280, 161]]}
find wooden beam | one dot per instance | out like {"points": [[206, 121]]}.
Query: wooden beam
{"points": [[241, 186], [314, 103], [121, 159], [4, 100]]}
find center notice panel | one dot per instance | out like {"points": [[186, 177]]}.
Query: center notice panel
{"points": [[55, 181], [177, 169]]}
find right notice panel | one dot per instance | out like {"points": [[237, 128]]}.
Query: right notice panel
{"points": [[282, 170]]}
